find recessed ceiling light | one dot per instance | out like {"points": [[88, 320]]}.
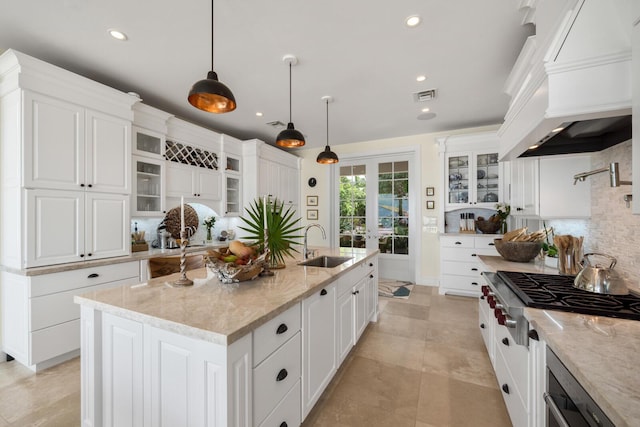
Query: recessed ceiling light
{"points": [[421, 78], [412, 21], [425, 110], [259, 114], [558, 129], [534, 146], [117, 34]]}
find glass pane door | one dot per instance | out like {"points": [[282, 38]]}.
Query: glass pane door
{"points": [[353, 206], [458, 179], [393, 207]]}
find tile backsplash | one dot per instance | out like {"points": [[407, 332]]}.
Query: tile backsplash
{"points": [[613, 229]]}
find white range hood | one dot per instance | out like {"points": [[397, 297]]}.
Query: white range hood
{"points": [[577, 67]]}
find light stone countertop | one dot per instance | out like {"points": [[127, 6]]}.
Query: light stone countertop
{"points": [[135, 256], [216, 312], [602, 353]]}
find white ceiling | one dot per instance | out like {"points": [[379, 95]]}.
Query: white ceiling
{"points": [[358, 51]]}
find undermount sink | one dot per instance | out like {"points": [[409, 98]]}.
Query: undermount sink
{"points": [[325, 261]]}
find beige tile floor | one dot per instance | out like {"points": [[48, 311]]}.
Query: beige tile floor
{"points": [[422, 365]]}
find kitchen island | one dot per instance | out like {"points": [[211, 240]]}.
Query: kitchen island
{"points": [[600, 352], [156, 354]]}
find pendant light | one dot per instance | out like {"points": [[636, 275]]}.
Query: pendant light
{"points": [[327, 156], [209, 94], [290, 137]]}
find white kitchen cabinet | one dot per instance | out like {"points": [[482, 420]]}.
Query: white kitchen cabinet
{"points": [[487, 325], [194, 183], [270, 171], [360, 291], [147, 143], [148, 198], [472, 175], [345, 319], [318, 345], [372, 289], [69, 147], [460, 269], [41, 323], [71, 226], [524, 187]]}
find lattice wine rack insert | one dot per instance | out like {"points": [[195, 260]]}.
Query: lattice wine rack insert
{"points": [[185, 154]]}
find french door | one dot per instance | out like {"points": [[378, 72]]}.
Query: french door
{"points": [[375, 210]]}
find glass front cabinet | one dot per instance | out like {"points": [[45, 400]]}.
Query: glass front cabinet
{"points": [[472, 176], [148, 173], [472, 179], [233, 193]]}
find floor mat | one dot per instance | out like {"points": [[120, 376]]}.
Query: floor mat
{"points": [[394, 288]]}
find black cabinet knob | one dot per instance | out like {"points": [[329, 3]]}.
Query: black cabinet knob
{"points": [[93, 276], [282, 329], [90, 185], [370, 264], [533, 334], [81, 255], [505, 341], [482, 326], [282, 375], [474, 254], [323, 292], [458, 243], [89, 254], [284, 424], [505, 388], [81, 185]]}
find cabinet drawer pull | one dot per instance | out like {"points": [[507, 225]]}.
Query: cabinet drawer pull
{"points": [[533, 334], [474, 283], [482, 326], [492, 244], [505, 388], [474, 254], [505, 341], [282, 329], [93, 276], [458, 243], [282, 375], [474, 269], [284, 424], [323, 292]]}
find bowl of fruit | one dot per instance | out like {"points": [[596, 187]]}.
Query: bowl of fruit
{"points": [[237, 263]]}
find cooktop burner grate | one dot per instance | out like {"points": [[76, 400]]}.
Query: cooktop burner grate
{"points": [[548, 291]]}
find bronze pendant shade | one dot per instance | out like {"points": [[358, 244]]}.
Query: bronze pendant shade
{"points": [[209, 94], [327, 156], [290, 137]]}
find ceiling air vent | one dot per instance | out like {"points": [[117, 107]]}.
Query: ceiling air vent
{"points": [[276, 124], [425, 95]]}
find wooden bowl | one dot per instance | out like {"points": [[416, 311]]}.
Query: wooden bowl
{"points": [[517, 251], [487, 227]]}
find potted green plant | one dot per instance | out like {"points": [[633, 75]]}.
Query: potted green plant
{"points": [[282, 225]]}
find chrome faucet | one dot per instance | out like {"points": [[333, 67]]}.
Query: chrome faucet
{"points": [[306, 252]]}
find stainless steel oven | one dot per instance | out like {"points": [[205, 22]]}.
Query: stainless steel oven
{"points": [[568, 404]]}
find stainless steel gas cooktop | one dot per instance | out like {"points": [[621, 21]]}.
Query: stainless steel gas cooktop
{"points": [[554, 292]]}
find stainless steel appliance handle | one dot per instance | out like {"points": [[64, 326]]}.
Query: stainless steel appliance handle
{"points": [[555, 411]]}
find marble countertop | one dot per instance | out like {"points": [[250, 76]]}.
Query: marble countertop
{"points": [[215, 312], [135, 256], [602, 353]]}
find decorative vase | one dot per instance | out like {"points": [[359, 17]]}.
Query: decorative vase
{"points": [[503, 227], [209, 238]]}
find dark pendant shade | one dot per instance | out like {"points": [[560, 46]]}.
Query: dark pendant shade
{"points": [[211, 95], [290, 138], [327, 156]]}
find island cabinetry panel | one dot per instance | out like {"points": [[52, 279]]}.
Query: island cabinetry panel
{"points": [[41, 323], [277, 369], [164, 377], [460, 269], [318, 345]]}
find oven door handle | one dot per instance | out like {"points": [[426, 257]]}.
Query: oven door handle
{"points": [[555, 411]]}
